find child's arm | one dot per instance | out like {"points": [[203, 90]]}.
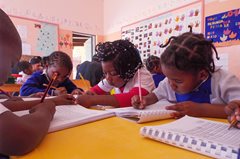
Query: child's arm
{"points": [[31, 129], [233, 109], [25, 105], [116, 100], [198, 109]]}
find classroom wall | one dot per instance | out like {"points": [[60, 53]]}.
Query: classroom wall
{"points": [[127, 12], [85, 16]]}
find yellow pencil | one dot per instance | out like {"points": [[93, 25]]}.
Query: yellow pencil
{"points": [[84, 82]]}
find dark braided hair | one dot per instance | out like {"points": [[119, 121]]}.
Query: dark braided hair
{"points": [[61, 59], [189, 52], [124, 56], [151, 62]]}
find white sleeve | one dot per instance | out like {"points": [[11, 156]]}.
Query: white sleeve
{"points": [[104, 85], [164, 91], [3, 108], [225, 87]]}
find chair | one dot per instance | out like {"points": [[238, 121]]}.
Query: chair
{"points": [[84, 84]]}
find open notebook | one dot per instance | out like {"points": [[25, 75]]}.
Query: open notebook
{"points": [[67, 116], [152, 112], [199, 135]]}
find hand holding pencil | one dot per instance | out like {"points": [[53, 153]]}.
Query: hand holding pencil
{"points": [[233, 112]]}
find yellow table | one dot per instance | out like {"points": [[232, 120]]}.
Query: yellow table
{"points": [[112, 138], [11, 87]]}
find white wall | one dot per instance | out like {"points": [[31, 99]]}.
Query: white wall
{"points": [[84, 16], [118, 13]]}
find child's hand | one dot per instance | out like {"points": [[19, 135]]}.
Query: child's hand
{"points": [[136, 102], [84, 100], [60, 91], [232, 109], [77, 92], [47, 107], [186, 108], [66, 99], [89, 93], [38, 95], [15, 98]]}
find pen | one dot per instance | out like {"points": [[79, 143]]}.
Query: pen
{"points": [[84, 82], [5, 93], [49, 85]]}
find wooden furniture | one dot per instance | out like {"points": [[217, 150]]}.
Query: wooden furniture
{"points": [[84, 84], [11, 87]]}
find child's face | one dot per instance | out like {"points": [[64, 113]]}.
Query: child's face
{"points": [[63, 73], [183, 82], [9, 57], [37, 67], [111, 75]]}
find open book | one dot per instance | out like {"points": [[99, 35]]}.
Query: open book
{"points": [[67, 116], [199, 135], [152, 112]]}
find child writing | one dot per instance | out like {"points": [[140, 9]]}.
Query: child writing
{"points": [[153, 65], [193, 82], [120, 63], [31, 128], [233, 111], [26, 71], [60, 63]]}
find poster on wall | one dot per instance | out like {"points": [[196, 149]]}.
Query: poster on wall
{"points": [[47, 38], [224, 28], [149, 34]]}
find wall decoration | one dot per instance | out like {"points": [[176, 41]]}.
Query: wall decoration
{"points": [[147, 35], [47, 38], [224, 28], [38, 37]]}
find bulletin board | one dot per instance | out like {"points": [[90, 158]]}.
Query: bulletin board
{"points": [[148, 34], [224, 28], [38, 37]]}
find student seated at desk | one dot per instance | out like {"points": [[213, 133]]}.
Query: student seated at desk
{"points": [[120, 63], [20, 135], [60, 63], [192, 81], [153, 65], [233, 111], [26, 71]]}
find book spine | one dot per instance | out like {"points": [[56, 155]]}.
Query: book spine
{"points": [[190, 143]]}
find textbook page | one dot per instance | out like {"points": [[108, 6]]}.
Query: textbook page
{"points": [[152, 112], [67, 116], [199, 135]]}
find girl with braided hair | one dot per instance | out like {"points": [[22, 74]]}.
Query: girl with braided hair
{"points": [[120, 63], [153, 65], [60, 63], [193, 82]]}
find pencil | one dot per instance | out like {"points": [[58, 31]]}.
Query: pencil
{"points": [[84, 82], [233, 122], [5, 93], [140, 88], [46, 85], [49, 85]]}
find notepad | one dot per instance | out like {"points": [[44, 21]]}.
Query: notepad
{"points": [[152, 112], [67, 116], [206, 137]]}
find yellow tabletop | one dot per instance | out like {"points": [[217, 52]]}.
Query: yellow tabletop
{"points": [[11, 87], [112, 138]]}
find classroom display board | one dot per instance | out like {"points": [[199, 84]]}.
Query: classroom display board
{"points": [[38, 38], [147, 35], [224, 28]]}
